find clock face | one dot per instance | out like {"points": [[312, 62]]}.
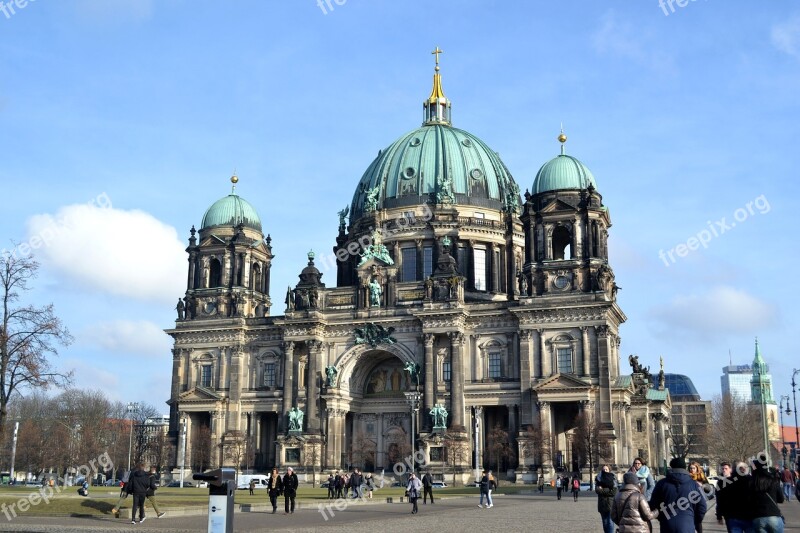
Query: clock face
{"points": [[561, 282]]}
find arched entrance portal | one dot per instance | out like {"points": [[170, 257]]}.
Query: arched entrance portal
{"points": [[374, 422]]}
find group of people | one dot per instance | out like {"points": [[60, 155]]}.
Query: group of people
{"points": [[747, 498], [353, 485], [141, 486], [563, 484], [285, 486], [415, 485], [487, 484]]}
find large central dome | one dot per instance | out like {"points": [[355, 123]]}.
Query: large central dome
{"points": [[436, 158], [435, 163]]}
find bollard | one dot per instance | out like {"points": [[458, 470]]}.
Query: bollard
{"points": [[221, 488]]}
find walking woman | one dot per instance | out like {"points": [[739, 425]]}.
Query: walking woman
{"points": [[630, 510], [413, 488], [765, 495], [606, 489], [275, 489], [576, 487]]}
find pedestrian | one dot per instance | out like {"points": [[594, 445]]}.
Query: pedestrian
{"points": [[251, 486], [151, 492], [289, 490], [484, 488], [787, 477], [275, 489], [732, 506], [558, 487], [764, 495], [606, 489], [541, 483], [680, 503], [123, 493], [631, 511], [355, 483], [331, 486], [576, 487], [642, 471], [492, 486], [427, 485], [84, 490], [138, 485], [413, 488], [339, 478], [370, 484]]}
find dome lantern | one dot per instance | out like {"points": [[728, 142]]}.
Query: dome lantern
{"points": [[437, 106]]}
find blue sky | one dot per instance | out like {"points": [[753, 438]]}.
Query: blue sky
{"points": [[122, 120]]}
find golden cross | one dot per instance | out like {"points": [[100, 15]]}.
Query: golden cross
{"points": [[436, 53]]}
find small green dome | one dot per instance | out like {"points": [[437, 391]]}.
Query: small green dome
{"points": [[422, 161], [563, 172], [231, 210]]}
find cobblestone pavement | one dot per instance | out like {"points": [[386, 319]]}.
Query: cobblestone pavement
{"points": [[459, 514]]}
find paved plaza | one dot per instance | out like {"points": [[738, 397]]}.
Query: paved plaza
{"points": [[457, 514]]}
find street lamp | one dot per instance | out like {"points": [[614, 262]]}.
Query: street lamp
{"points": [[413, 400], [796, 429], [132, 408], [183, 445], [478, 415], [783, 439]]}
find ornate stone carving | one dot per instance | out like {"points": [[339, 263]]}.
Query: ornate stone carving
{"points": [[374, 334]]}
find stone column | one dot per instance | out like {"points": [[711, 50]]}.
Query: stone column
{"points": [[312, 386], [336, 419], [603, 355], [430, 376], [546, 424], [457, 382], [525, 375], [587, 351], [545, 356], [288, 384]]}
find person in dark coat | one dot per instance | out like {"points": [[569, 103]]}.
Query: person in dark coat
{"points": [[427, 488], [275, 489], [139, 483], [606, 489], [764, 494], [289, 490], [355, 482], [679, 500], [732, 506], [484, 487], [331, 486]]}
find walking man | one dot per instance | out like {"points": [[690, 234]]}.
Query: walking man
{"points": [[484, 489], [289, 489], [138, 485], [331, 486], [427, 487], [679, 500], [151, 492], [558, 487], [787, 477]]}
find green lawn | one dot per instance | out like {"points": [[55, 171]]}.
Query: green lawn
{"points": [[30, 501]]}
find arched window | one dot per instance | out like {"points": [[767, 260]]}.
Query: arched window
{"points": [[255, 277], [216, 273], [562, 240], [595, 240]]}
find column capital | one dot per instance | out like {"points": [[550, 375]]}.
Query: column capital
{"points": [[428, 339], [456, 338], [288, 347]]}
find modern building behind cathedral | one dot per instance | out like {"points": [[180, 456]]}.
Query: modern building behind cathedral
{"points": [[464, 315]]}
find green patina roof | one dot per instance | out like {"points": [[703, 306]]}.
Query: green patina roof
{"points": [[231, 210], [623, 382], [406, 173], [563, 172], [657, 395]]}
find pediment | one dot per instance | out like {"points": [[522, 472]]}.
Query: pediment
{"points": [[561, 382], [199, 394], [212, 240], [556, 205]]}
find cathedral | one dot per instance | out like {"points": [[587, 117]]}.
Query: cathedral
{"points": [[470, 324]]}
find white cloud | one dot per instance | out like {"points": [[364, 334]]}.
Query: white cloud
{"points": [[136, 337], [720, 311], [127, 253], [786, 36]]}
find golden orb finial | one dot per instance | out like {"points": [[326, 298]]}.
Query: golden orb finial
{"points": [[562, 138], [234, 179]]}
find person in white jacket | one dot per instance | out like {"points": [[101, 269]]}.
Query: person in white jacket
{"points": [[413, 488]]}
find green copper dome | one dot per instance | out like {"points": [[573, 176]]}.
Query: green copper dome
{"points": [[438, 163], [231, 210], [563, 172]]}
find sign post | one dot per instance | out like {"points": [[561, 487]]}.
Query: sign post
{"points": [[221, 488]]}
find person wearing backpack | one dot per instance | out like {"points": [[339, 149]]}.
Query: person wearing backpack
{"points": [[558, 487], [630, 510], [576, 488]]}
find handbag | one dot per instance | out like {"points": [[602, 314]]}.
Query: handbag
{"points": [[776, 506]]}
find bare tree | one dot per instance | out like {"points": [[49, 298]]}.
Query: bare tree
{"points": [[498, 447], [589, 443], [202, 448], [312, 456], [234, 448], [735, 429], [28, 336], [456, 449]]}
